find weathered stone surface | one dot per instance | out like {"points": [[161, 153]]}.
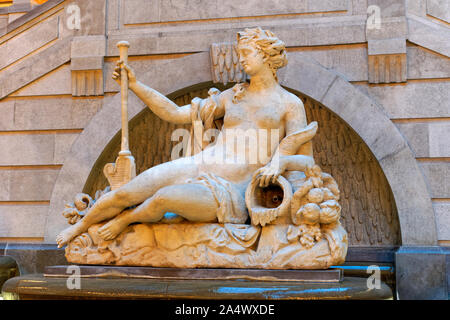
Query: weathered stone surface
{"points": [[52, 113], [92, 17], [308, 76], [22, 220], [350, 61], [138, 11], [36, 66], [424, 63], [439, 134], [421, 273], [4, 185], [442, 210], [113, 13], [427, 139], [3, 23], [359, 7], [418, 8], [56, 82], [87, 63], [27, 149], [147, 11], [87, 54], [31, 185], [417, 136], [393, 8], [439, 9], [28, 41], [32, 14], [87, 83], [411, 196], [414, 100], [7, 112], [195, 38], [437, 174], [141, 66], [390, 28], [340, 98], [14, 16], [88, 46], [63, 144], [429, 34], [387, 68], [35, 149], [387, 46]]}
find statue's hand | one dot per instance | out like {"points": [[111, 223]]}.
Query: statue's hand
{"points": [[270, 172], [130, 72]]}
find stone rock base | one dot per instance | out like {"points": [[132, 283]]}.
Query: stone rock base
{"points": [[208, 245], [38, 287]]}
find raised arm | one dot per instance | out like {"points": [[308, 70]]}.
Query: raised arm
{"points": [[157, 102]]}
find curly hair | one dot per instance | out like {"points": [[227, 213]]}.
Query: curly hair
{"points": [[267, 42]]}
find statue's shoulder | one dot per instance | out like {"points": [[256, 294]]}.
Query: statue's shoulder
{"points": [[291, 102], [291, 98]]}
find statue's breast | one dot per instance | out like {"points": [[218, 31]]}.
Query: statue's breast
{"points": [[265, 116]]}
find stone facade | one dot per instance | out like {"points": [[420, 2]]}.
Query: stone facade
{"points": [[56, 91]]}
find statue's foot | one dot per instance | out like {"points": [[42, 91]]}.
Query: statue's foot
{"points": [[66, 235], [112, 229]]}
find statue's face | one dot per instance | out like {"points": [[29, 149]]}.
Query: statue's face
{"points": [[250, 58]]}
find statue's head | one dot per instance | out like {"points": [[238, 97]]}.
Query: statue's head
{"points": [[257, 46]]}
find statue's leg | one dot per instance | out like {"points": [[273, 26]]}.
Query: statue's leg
{"points": [[194, 202], [134, 192]]}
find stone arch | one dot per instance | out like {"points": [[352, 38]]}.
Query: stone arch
{"points": [[303, 75]]}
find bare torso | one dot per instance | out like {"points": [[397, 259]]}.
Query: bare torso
{"points": [[252, 130]]}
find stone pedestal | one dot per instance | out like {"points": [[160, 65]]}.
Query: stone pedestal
{"points": [[422, 273], [41, 287], [312, 276]]}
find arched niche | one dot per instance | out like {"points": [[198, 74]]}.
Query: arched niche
{"points": [[303, 75], [369, 213]]}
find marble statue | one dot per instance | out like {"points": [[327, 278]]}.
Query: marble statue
{"points": [[254, 198]]}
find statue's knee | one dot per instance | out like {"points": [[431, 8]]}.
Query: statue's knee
{"points": [[121, 198], [160, 198]]}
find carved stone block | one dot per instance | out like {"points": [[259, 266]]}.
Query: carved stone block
{"points": [[87, 55], [387, 68], [387, 60], [225, 66], [87, 83]]}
